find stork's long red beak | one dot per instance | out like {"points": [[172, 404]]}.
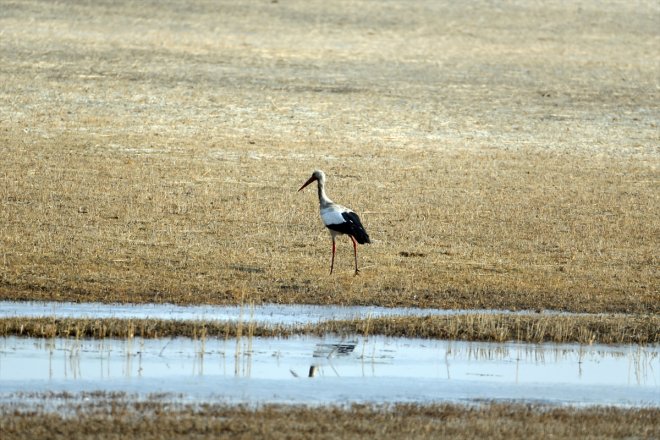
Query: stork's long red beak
{"points": [[311, 179]]}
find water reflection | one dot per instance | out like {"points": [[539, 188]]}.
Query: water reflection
{"points": [[598, 362], [325, 352], [157, 365]]}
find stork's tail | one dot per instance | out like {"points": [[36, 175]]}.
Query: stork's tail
{"points": [[357, 231]]}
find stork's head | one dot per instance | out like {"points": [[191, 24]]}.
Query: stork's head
{"points": [[316, 175]]}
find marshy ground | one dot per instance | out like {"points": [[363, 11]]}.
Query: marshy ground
{"points": [[110, 416], [501, 156], [483, 327]]}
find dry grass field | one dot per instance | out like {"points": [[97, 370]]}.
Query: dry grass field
{"points": [[114, 416], [501, 155]]}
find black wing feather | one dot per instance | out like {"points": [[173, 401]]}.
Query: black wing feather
{"points": [[352, 226]]}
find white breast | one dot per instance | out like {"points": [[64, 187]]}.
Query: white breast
{"points": [[332, 215]]}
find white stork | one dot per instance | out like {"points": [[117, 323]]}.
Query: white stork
{"points": [[338, 219]]}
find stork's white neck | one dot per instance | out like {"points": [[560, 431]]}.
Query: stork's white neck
{"points": [[324, 200]]}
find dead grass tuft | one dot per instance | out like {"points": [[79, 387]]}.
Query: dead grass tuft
{"points": [[497, 328], [500, 328]]}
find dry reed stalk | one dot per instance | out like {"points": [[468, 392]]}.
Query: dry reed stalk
{"points": [[498, 328]]}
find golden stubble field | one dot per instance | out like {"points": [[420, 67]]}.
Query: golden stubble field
{"points": [[500, 155]]}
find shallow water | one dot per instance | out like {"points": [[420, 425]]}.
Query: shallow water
{"points": [[265, 314], [377, 369]]}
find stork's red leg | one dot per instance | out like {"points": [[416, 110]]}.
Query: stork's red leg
{"points": [[355, 252], [332, 262]]}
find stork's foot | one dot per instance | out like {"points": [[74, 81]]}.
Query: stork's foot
{"points": [[357, 271]]}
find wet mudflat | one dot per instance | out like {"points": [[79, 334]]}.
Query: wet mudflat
{"points": [[349, 370]]}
